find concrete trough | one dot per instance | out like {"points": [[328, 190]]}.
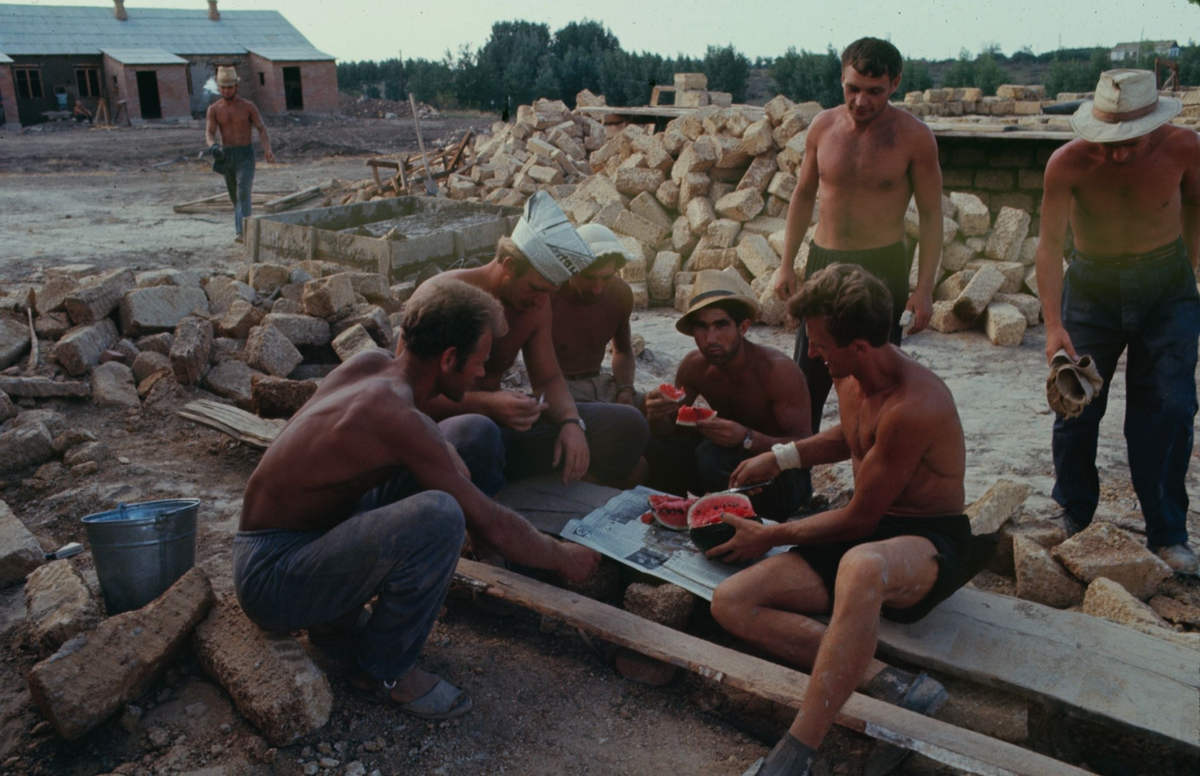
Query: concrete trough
{"points": [[419, 231]]}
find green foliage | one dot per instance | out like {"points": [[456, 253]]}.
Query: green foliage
{"points": [[728, 70], [989, 74], [1076, 75], [804, 76], [916, 78]]}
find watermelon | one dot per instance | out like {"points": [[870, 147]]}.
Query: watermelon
{"points": [[704, 518], [689, 416], [672, 392], [671, 511]]}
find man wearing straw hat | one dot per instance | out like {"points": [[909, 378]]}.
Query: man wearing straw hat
{"points": [[234, 117], [1129, 186], [759, 395]]}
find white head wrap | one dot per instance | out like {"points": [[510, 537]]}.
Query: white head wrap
{"points": [[549, 241]]}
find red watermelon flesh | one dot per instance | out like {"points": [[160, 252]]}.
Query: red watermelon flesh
{"points": [[671, 511], [672, 392], [708, 510], [689, 416]]}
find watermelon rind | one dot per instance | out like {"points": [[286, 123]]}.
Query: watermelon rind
{"points": [[672, 392], [713, 534], [683, 417]]}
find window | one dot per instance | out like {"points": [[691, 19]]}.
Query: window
{"points": [[88, 80], [29, 83], [187, 71]]}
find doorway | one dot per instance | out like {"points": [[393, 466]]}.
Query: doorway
{"points": [[147, 86], [293, 95]]}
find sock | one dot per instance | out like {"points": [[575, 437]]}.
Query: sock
{"points": [[788, 758], [890, 685]]}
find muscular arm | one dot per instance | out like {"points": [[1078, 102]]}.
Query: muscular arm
{"points": [[799, 215], [257, 121], [544, 374], [790, 406], [1191, 202], [926, 176], [1055, 214], [624, 363], [210, 128]]}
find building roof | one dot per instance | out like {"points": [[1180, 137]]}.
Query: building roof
{"points": [[5, 59], [289, 53], [74, 30], [1135, 45], [144, 56]]}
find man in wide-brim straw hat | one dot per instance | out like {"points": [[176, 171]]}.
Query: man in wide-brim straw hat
{"points": [[760, 396], [234, 118], [1129, 187]]}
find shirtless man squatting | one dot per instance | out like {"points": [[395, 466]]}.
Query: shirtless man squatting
{"points": [[361, 495], [901, 545], [234, 117]]}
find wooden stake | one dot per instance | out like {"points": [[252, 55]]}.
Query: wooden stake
{"points": [[430, 185]]}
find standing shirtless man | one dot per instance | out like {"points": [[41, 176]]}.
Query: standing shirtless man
{"points": [[865, 159], [1130, 189], [901, 545], [362, 496], [591, 310], [234, 117]]}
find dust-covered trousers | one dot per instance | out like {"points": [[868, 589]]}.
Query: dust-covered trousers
{"points": [[239, 179]]}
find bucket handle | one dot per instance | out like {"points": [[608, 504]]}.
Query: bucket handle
{"points": [[160, 518]]}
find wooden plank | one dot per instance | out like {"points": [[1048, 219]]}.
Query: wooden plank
{"points": [[1106, 671], [548, 504], [958, 748], [239, 424], [181, 206], [295, 198], [43, 388]]}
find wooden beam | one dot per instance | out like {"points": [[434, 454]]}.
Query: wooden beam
{"points": [[180, 207], [239, 424], [956, 747], [295, 198]]}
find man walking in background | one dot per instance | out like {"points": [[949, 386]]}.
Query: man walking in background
{"points": [[234, 117]]}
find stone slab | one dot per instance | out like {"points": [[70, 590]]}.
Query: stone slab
{"points": [[20, 553], [160, 308], [58, 605]]}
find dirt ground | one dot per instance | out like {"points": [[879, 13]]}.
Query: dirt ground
{"points": [[546, 700]]}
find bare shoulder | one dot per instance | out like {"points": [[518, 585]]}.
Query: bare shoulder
{"points": [[1182, 140], [825, 121], [623, 294], [925, 396], [691, 368], [917, 134]]}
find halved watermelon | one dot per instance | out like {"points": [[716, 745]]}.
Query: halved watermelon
{"points": [[689, 416], [672, 392], [704, 518], [671, 511]]}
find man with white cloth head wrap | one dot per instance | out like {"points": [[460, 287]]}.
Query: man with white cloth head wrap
{"points": [[528, 435]]}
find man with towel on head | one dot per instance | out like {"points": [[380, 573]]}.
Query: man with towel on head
{"points": [[1129, 186], [543, 431]]}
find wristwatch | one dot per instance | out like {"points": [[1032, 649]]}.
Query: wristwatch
{"points": [[749, 440], [577, 421]]}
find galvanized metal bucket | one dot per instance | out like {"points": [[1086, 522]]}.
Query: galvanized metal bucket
{"points": [[141, 549]]}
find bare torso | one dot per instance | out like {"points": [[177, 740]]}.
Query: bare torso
{"points": [[936, 485], [864, 185], [521, 325], [582, 331], [235, 119], [1132, 207], [747, 395]]}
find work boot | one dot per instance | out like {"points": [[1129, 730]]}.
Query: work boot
{"points": [[1067, 523], [922, 695], [1181, 559]]}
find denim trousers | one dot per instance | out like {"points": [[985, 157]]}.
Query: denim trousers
{"points": [[239, 179], [1150, 307], [685, 462], [890, 264], [616, 437], [400, 544]]}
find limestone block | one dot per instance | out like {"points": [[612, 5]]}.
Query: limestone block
{"points": [[756, 138], [955, 256], [648, 207], [53, 294], [782, 185], [1042, 532], [637, 181], [712, 258], [722, 232], [222, 292], [7, 408], [113, 386], [683, 294], [371, 285], [740, 205], [353, 341], [1030, 306], [20, 553], [1028, 255], [777, 107], [1103, 550], [278, 397], [51, 326], [14, 341], [1105, 598], [764, 225], [660, 281], [80, 348], [731, 155], [157, 343], [944, 320], [1031, 282], [1004, 324], [756, 255], [1010, 230], [149, 362], [759, 174], [683, 239], [58, 605], [691, 99], [93, 302], [978, 293], [88, 452], [371, 317], [160, 308], [268, 350], [1013, 271], [628, 223], [668, 194], [270, 677], [601, 190], [191, 349], [634, 270], [691, 81], [268, 278], [240, 319], [698, 156], [98, 672], [1040, 578], [641, 296], [700, 213], [996, 506], [327, 297], [974, 219], [232, 380], [665, 604]]}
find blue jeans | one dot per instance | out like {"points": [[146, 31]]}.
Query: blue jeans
{"points": [[1150, 306], [400, 544], [616, 437], [239, 178]]}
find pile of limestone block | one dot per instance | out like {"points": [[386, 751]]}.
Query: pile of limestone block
{"points": [[1009, 100]]}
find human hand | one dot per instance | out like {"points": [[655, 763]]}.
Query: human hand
{"points": [[269, 155], [721, 432], [659, 407], [920, 304], [515, 410], [750, 540], [571, 449], [625, 396], [760, 468], [785, 281], [576, 563], [459, 464], [1057, 339]]}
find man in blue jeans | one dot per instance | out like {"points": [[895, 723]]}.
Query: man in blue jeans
{"points": [[1130, 188], [235, 117], [363, 495]]}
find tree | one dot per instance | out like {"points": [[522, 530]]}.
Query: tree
{"points": [[916, 78], [803, 76], [962, 72], [989, 74], [728, 70], [577, 50]]}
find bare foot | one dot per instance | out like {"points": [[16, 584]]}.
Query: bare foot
{"points": [[415, 684]]}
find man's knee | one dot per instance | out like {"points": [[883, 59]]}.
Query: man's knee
{"points": [[480, 444], [443, 525], [732, 604], [861, 576]]}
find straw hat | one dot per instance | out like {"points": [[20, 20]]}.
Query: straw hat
{"points": [[713, 285], [603, 242], [226, 76], [1126, 106]]}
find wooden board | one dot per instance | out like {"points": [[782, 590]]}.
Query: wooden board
{"points": [[42, 388], [958, 748], [548, 504], [239, 424], [1103, 670]]}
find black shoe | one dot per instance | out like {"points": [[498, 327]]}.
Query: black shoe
{"points": [[924, 696]]}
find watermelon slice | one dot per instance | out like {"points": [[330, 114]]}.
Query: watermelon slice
{"points": [[705, 528], [689, 416], [672, 392], [671, 511]]}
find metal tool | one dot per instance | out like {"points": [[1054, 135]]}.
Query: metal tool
{"points": [[66, 551], [747, 488]]}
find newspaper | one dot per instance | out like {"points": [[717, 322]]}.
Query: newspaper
{"points": [[617, 531]]}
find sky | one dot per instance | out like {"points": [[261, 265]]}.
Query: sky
{"points": [[921, 29]]}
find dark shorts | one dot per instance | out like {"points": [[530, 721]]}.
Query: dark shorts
{"points": [[951, 535]]}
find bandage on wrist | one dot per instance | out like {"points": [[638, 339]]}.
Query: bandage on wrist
{"points": [[786, 456]]}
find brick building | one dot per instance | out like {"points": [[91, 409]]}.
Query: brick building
{"points": [[155, 60]]}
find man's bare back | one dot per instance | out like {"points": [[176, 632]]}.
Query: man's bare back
{"points": [[583, 330]]}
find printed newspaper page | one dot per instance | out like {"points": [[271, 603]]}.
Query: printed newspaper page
{"points": [[617, 531]]}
